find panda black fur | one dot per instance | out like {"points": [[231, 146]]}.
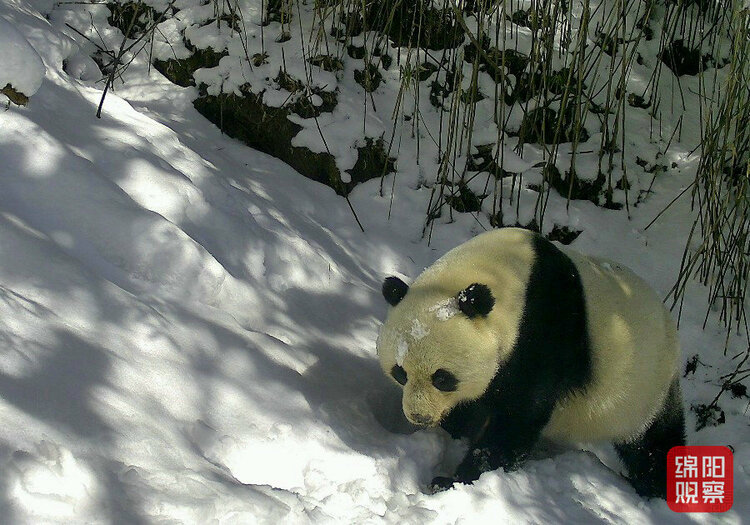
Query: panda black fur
{"points": [[507, 338]]}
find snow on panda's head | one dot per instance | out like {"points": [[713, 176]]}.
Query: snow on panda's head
{"points": [[439, 345]]}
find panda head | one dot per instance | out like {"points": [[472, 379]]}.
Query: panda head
{"points": [[441, 343]]}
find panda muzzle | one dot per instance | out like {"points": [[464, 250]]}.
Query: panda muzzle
{"points": [[422, 420]]}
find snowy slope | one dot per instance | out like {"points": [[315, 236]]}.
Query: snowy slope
{"points": [[188, 329]]}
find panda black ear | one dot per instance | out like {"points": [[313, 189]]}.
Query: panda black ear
{"points": [[394, 289], [476, 300]]}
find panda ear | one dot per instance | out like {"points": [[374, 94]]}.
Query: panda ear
{"points": [[394, 289], [476, 300]]}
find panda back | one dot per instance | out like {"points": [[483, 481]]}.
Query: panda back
{"points": [[635, 351]]}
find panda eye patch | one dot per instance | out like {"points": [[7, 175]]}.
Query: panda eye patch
{"points": [[399, 374], [444, 380]]}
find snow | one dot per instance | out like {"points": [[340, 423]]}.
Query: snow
{"points": [[189, 326], [21, 66], [402, 348], [418, 330]]}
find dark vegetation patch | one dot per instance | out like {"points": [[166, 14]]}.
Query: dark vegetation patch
{"points": [[623, 184], [558, 82], [369, 77], [684, 60], [300, 101], [521, 17], [437, 29], [471, 96], [180, 71], [609, 202], [372, 162], [383, 58], [327, 62], [525, 88], [572, 187], [497, 222], [515, 61], [14, 95], [304, 107], [708, 415], [497, 219], [563, 234], [544, 126], [607, 43], [532, 226], [702, 5], [737, 389], [131, 18], [637, 101], [278, 11], [654, 168], [230, 20], [643, 24], [442, 87], [531, 84], [268, 129], [691, 366], [425, 70], [104, 61], [259, 59], [491, 59], [737, 171], [484, 162], [288, 82], [356, 52], [349, 25], [462, 199], [439, 91]]}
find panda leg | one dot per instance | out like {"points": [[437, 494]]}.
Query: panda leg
{"points": [[646, 456], [506, 440]]}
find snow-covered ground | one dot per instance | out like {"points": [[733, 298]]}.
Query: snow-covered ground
{"points": [[188, 326]]}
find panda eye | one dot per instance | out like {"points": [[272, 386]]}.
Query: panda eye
{"points": [[399, 374], [444, 380]]}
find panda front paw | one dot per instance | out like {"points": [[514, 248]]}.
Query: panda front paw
{"points": [[441, 483]]}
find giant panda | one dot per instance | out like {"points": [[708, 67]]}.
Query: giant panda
{"points": [[508, 338]]}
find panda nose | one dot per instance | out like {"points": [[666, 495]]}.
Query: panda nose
{"points": [[419, 419]]}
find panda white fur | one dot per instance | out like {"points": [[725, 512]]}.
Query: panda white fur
{"points": [[507, 338]]}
